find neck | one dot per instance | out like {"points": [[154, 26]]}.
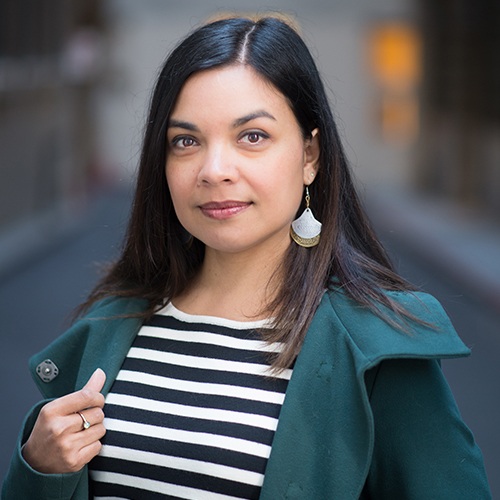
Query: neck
{"points": [[233, 286]]}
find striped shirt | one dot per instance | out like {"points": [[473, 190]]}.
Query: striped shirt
{"points": [[192, 412]]}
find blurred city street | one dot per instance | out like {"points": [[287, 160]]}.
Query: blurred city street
{"points": [[54, 238]]}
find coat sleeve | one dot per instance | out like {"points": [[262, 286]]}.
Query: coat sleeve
{"points": [[422, 448], [23, 482]]}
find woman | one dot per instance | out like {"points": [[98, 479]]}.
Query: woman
{"points": [[255, 340]]}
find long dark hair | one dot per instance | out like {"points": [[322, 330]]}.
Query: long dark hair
{"points": [[157, 263]]}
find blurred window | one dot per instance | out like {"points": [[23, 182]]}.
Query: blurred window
{"points": [[395, 58]]}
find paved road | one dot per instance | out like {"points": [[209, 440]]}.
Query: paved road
{"points": [[36, 298]]}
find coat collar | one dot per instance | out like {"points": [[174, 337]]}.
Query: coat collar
{"points": [[325, 436], [99, 340]]}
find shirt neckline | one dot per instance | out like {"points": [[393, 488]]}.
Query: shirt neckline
{"points": [[171, 310]]}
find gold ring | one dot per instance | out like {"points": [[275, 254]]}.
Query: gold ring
{"points": [[86, 423]]}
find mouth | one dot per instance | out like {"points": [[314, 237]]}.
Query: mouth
{"points": [[221, 210]]}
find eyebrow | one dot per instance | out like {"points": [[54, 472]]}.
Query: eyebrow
{"points": [[252, 116], [236, 123], [182, 124]]}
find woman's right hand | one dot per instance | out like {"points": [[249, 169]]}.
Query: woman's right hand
{"points": [[59, 443]]}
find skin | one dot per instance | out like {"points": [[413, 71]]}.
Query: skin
{"points": [[58, 443], [237, 164]]}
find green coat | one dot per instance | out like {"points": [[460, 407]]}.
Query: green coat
{"points": [[367, 412]]}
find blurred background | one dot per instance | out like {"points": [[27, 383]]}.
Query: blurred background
{"points": [[415, 87]]}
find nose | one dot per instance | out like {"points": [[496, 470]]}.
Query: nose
{"points": [[219, 166]]}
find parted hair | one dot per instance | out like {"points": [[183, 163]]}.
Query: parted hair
{"points": [[158, 261]]}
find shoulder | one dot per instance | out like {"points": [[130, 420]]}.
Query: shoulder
{"points": [[111, 307], [432, 337], [100, 316], [108, 325]]}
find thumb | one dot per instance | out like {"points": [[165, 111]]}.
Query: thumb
{"points": [[96, 381]]}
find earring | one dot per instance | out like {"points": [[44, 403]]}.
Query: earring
{"points": [[306, 230]]}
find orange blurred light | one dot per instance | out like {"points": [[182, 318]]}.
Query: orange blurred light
{"points": [[394, 50], [395, 54]]}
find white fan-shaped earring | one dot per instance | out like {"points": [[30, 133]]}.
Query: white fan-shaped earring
{"points": [[306, 230]]}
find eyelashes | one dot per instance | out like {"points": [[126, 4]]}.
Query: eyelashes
{"points": [[184, 142], [251, 137], [254, 137]]}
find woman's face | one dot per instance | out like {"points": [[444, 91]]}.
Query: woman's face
{"points": [[237, 161]]}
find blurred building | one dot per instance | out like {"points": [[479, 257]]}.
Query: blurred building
{"points": [[437, 100], [431, 92], [459, 150], [50, 60]]}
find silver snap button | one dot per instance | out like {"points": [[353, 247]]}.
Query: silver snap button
{"points": [[47, 370]]}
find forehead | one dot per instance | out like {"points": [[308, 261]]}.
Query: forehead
{"points": [[229, 91]]}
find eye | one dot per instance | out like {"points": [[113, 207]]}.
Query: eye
{"points": [[184, 142], [253, 137]]}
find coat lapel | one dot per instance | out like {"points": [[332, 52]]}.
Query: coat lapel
{"points": [[323, 443]]}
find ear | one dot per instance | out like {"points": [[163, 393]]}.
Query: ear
{"points": [[311, 157]]}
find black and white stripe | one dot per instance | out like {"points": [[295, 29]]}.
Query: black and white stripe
{"points": [[192, 413]]}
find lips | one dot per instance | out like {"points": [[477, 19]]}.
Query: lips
{"points": [[221, 210]]}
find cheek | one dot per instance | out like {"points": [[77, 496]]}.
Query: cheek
{"points": [[182, 174], [177, 180], [285, 196], [291, 173], [175, 187], [170, 174]]}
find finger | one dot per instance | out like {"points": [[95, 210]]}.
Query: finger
{"points": [[87, 453], [93, 416], [93, 387], [96, 381], [79, 450], [76, 401], [88, 397], [88, 436], [52, 450], [87, 443]]}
